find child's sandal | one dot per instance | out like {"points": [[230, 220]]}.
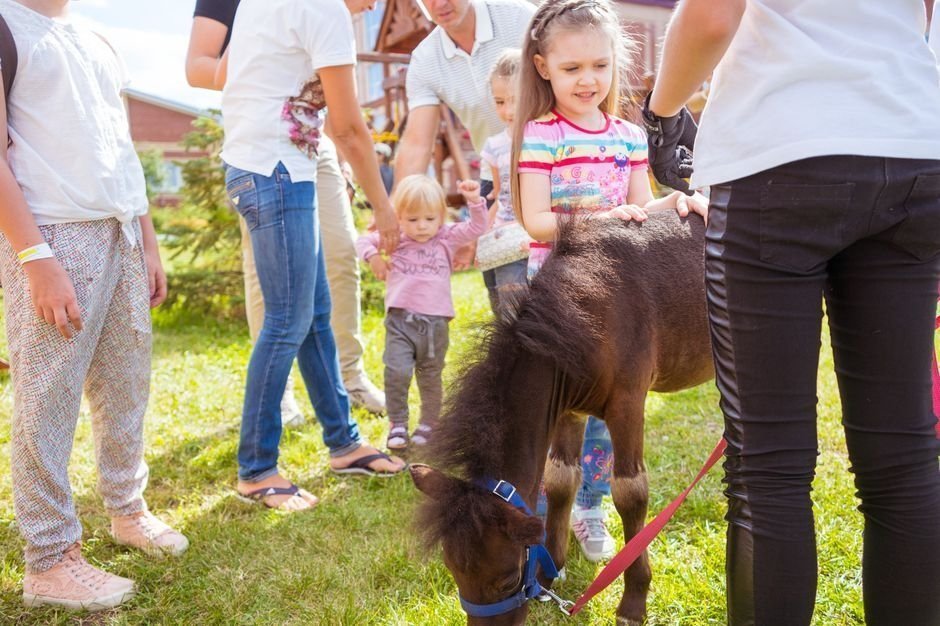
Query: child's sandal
{"points": [[421, 435], [397, 438]]}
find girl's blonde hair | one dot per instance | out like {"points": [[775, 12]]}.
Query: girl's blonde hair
{"points": [[418, 191], [507, 65], [534, 96]]}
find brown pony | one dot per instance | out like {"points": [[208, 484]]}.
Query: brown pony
{"points": [[618, 310]]}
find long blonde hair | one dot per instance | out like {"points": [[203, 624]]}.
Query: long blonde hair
{"points": [[534, 96]]}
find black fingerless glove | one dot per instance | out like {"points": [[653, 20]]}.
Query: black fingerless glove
{"points": [[671, 141]]}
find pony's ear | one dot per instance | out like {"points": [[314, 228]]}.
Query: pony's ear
{"points": [[521, 529], [429, 481]]}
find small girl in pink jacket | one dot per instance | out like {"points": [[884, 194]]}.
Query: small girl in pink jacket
{"points": [[418, 303]]}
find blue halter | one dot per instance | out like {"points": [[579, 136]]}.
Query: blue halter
{"points": [[536, 555]]}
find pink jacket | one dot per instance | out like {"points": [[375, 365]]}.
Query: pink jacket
{"points": [[419, 273]]}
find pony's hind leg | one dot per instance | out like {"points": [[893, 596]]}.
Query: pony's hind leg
{"points": [[630, 492], [562, 477]]}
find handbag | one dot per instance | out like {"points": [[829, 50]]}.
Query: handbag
{"points": [[502, 245]]}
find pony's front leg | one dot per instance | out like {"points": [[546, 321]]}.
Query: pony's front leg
{"points": [[630, 491], [562, 477]]}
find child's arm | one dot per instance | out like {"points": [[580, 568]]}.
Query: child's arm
{"points": [[535, 193], [52, 291], [491, 217], [468, 231], [494, 172], [367, 247], [156, 277]]}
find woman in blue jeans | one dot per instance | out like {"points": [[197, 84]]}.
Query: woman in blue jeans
{"points": [[287, 61]]}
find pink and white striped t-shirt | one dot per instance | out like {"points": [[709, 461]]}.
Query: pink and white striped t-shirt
{"points": [[589, 170]]}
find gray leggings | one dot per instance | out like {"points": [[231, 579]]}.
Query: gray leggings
{"points": [[414, 344]]}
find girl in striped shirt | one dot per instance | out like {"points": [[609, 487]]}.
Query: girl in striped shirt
{"points": [[571, 154]]}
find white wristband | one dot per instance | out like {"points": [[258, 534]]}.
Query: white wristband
{"points": [[34, 253]]}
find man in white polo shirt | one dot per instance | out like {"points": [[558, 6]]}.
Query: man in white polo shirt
{"points": [[452, 66], [821, 144]]}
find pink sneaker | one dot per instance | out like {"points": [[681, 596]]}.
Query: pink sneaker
{"points": [[75, 584], [145, 532]]}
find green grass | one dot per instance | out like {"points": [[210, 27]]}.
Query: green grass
{"points": [[355, 559]]}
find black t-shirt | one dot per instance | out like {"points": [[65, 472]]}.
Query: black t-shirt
{"points": [[222, 11]]}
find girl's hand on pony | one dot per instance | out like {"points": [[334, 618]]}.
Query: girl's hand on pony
{"points": [[683, 204], [470, 190], [626, 212], [379, 266]]}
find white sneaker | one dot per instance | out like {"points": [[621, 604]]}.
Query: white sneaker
{"points": [[590, 528], [291, 415], [363, 393]]}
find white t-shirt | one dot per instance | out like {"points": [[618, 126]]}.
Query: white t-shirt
{"points": [[271, 99], [72, 153], [441, 72], [805, 78]]}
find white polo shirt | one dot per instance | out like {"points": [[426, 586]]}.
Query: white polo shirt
{"points": [[441, 72], [806, 78], [276, 48]]}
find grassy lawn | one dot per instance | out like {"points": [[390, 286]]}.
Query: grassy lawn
{"points": [[355, 559]]}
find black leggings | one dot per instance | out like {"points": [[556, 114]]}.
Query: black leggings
{"points": [[863, 234]]}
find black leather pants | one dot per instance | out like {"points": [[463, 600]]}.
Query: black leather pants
{"points": [[863, 234]]}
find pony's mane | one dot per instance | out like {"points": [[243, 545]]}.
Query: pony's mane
{"points": [[554, 322]]}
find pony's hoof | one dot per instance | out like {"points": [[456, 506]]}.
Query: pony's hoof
{"points": [[626, 621]]}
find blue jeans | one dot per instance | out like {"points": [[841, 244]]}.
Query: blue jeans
{"points": [[285, 237], [596, 462]]}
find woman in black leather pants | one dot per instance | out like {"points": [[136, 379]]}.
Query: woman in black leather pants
{"points": [[821, 146]]}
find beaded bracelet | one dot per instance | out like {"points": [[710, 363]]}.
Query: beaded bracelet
{"points": [[34, 253]]}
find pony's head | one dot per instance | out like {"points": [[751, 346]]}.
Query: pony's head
{"points": [[483, 538]]}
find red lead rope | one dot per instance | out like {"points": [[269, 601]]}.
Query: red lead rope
{"points": [[642, 539]]}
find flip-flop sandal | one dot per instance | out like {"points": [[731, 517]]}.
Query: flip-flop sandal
{"points": [[361, 466], [397, 438], [258, 495]]}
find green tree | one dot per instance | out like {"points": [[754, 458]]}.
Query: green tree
{"points": [[154, 171], [202, 233]]}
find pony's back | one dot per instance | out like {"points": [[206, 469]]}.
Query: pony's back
{"points": [[615, 281]]}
